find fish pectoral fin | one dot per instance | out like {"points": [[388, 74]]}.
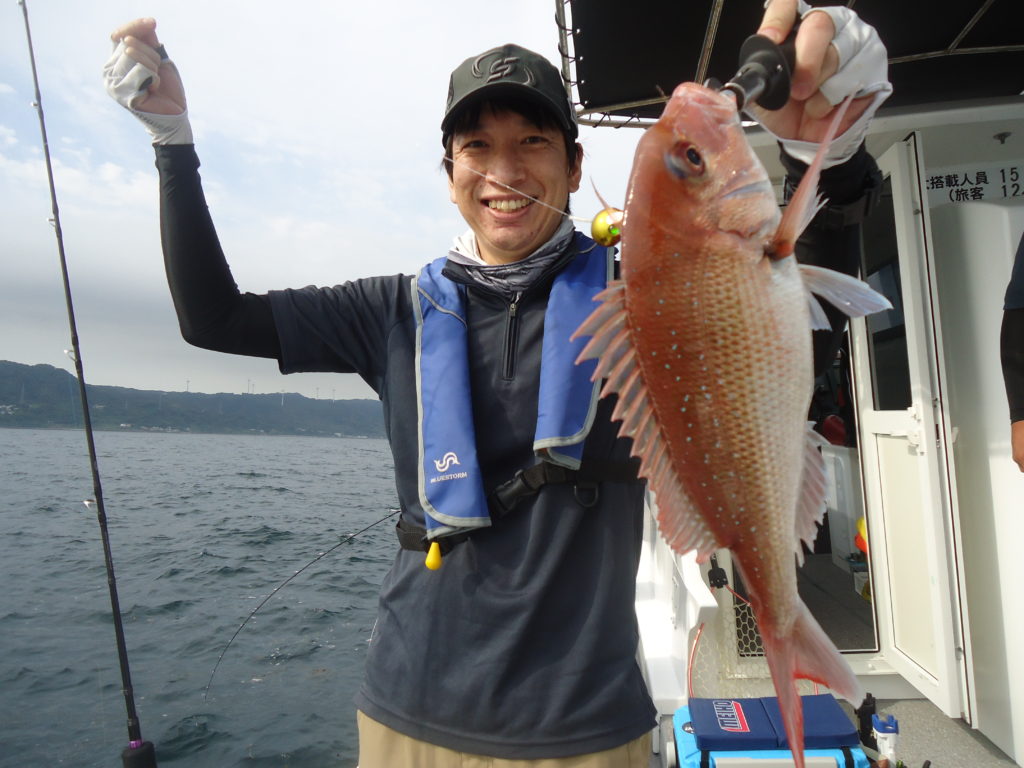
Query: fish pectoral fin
{"points": [[819, 320], [853, 297], [811, 504]]}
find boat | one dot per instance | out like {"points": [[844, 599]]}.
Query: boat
{"points": [[929, 617]]}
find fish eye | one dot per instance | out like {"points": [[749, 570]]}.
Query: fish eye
{"points": [[684, 160]]}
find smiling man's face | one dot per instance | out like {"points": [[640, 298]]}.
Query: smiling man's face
{"points": [[508, 149]]}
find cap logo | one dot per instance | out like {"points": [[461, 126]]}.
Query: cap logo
{"points": [[501, 67]]}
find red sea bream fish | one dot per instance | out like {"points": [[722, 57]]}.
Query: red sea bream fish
{"points": [[706, 338]]}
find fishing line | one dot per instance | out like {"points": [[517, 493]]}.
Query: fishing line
{"points": [[494, 181], [394, 512], [605, 228], [139, 753], [280, 586]]}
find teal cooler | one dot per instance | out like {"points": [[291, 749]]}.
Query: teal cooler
{"points": [[733, 733]]}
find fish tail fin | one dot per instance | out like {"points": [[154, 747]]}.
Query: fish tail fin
{"points": [[820, 661], [806, 652], [781, 658]]}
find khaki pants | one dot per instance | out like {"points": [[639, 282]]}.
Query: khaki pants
{"points": [[382, 747]]}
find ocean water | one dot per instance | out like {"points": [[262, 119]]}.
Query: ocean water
{"points": [[202, 528]]}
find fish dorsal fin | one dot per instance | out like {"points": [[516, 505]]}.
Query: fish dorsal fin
{"points": [[811, 505], [806, 202], [679, 522], [849, 295]]}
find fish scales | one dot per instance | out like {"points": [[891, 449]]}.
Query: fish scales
{"points": [[706, 339], [710, 392]]}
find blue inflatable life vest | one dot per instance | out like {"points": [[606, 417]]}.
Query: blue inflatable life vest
{"points": [[450, 482]]}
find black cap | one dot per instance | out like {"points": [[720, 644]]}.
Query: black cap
{"points": [[512, 70]]}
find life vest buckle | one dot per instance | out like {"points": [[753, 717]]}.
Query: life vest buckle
{"points": [[508, 494], [587, 493]]}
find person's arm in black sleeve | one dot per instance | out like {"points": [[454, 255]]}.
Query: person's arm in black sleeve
{"points": [[1011, 353], [341, 328], [212, 313], [141, 77], [834, 239]]}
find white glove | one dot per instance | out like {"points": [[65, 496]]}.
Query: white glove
{"points": [[863, 71], [126, 80]]}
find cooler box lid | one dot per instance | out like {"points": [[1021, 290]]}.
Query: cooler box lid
{"points": [[826, 725], [741, 754], [733, 724]]}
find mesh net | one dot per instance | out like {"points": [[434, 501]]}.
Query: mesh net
{"points": [[727, 656]]}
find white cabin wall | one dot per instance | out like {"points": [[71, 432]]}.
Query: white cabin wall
{"points": [[974, 247]]}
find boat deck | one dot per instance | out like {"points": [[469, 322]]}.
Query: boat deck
{"points": [[927, 734]]}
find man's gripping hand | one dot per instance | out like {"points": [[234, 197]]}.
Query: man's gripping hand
{"points": [[837, 55], [140, 77]]}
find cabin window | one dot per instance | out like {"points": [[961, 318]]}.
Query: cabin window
{"points": [[887, 331]]}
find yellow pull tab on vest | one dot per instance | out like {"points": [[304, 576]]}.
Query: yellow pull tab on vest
{"points": [[433, 561]]}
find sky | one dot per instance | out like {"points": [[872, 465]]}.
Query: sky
{"points": [[317, 125]]}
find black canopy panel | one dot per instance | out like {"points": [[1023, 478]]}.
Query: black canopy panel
{"points": [[623, 59]]}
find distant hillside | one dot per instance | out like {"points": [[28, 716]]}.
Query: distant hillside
{"points": [[41, 396]]}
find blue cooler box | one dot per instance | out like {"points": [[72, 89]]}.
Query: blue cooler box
{"points": [[732, 733]]}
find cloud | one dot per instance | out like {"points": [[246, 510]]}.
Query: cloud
{"points": [[317, 127]]}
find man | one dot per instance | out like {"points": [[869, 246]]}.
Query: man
{"points": [[1011, 342], [519, 650]]}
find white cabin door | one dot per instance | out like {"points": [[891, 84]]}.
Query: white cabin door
{"points": [[903, 446]]}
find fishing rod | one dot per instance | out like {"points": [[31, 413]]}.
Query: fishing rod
{"points": [[283, 584], [139, 753]]}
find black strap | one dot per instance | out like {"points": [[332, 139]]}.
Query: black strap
{"points": [[415, 538], [527, 482]]}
